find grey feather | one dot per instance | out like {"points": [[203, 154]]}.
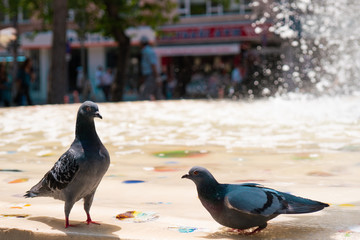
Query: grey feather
{"points": [[254, 200], [79, 170], [248, 205]]}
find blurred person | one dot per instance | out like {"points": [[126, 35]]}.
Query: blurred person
{"points": [[224, 84], [164, 82], [5, 86], [236, 80], [106, 82], [168, 84], [25, 77], [214, 85], [83, 85], [80, 79], [197, 86], [98, 75], [152, 84]]}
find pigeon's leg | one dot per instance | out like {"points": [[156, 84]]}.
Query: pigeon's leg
{"points": [[68, 207], [247, 232], [87, 204], [258, 229]]}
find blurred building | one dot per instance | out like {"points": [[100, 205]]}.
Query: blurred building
{"points": [[209, 38]]}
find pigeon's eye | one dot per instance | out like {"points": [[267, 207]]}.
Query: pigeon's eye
{"points": [[195, 172], [88, 109]]}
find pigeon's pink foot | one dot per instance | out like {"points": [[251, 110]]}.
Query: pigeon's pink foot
{"points": [[88, 220], [70, 225]]}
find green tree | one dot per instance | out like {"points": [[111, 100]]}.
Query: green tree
{"points": [[109, 17], [113, 17], [55, 20], [57, 88], [12, 8]]}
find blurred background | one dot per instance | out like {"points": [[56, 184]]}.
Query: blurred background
{"points": [[237, 49], [287, 69]]}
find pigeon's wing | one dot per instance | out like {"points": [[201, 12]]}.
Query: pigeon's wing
{"points": [[256, 200], [297, 204], [63, 171]]}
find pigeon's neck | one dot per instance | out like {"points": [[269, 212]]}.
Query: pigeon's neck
{"points": [[210, 190], [85, 129]]}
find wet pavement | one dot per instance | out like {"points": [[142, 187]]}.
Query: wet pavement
{"points": [[308, 147]]}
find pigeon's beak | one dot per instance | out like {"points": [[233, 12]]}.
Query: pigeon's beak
{"points": [[186, 176], [97, 114]]}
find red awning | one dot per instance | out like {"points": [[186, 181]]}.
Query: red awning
{"points": [[198, 50]]}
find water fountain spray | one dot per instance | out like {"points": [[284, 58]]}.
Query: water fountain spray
{"points": [[320, 45]]}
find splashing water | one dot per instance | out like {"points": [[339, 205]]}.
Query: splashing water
{"points": [[277, 124], [321, 45]]}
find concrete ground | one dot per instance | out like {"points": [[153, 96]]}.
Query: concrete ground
{"points": [[152, 144]]}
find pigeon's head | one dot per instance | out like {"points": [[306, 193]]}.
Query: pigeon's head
{"points": [[199, 175], [89, 109]]}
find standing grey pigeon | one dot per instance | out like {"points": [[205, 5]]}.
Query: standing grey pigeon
{"points": [[79, 170], [243, 206]]}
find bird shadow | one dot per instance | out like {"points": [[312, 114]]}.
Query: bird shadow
{"points": [[319, 226], [80, 230]]}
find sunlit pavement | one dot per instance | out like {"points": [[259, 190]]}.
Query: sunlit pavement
{"points": [[309, 148]]}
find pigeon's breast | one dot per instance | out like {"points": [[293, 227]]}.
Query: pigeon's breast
{"points": [[214, 208], [86, 180], [96, 164], [92, 168]]}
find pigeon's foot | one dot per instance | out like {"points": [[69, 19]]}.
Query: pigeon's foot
{"points": [[67, 223], [70, 225], [88, 220], [249, 231], [256, 230], [242, 231], [91, 221]]}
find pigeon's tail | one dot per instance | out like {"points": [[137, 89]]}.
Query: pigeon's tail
{"points": [[30, 194], [39, 190], [297, 205], [34, 191]]}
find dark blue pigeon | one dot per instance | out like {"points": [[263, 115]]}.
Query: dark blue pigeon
{"points": [[248, 205], [78, 172]]}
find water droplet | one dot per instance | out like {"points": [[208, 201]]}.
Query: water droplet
{"points": [[294, 43], [258, 30], [285, 68]]}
